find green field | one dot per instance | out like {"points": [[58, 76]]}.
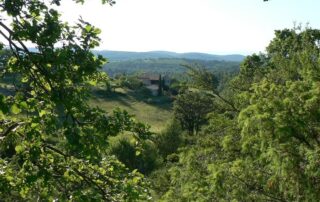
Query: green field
{"points": [[152, 110]]}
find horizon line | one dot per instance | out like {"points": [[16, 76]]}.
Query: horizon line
{"points": [[178, 52]]}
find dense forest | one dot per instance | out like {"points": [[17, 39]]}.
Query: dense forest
{"points": [[238, 132], [166, 66]]}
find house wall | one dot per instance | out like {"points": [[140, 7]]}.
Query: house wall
{"points": [[154, 89], [146, 81]]}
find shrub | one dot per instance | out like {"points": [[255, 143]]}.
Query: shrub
{"points": [[123, 147], [169, 139]]}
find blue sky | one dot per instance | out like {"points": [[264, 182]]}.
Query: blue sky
{"points": [[211, 26]]}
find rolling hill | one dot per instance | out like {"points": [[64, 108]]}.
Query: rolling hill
{"points": [[125, 55]]}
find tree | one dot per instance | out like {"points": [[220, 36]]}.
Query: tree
{"points": [[52, 143], [191, 109], [160, 86], [208, 83], [269, 149], [145, 161], [170, 139], [279, 124]]}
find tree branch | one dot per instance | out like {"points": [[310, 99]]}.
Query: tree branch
{"points": [[86, 178], [258, 189], [11, 128]]}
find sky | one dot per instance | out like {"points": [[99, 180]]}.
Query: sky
{"points": [[209, 26]]}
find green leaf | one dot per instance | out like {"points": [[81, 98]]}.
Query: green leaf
{"points": [[42, 113], [138, 153], [15, 109], [19, 148], [24, 79], [23, 105], [92, 82], [135, 180], [33, 125], [88, 28], [97, 31]]}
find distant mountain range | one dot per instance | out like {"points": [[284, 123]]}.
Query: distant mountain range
{"points": [[115, 56], [118, 56]]}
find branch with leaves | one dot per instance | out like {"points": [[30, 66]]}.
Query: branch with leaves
{"points": [[53, 143]]}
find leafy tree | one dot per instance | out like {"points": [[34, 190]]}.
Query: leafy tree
{"points": [[280, 120], [190, 109], [145, 160], [177, 86], [268, 150], [208, 83], [53, 145], [170, 139]]}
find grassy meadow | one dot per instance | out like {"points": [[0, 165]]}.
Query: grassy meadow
{"points": [[152, 110]]}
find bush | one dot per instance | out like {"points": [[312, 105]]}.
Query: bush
{"points": [[144, 91], [169, 140], [123, 147], [130, 82]]}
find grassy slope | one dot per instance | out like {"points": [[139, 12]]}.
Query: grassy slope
{"points": [[154, 111]]}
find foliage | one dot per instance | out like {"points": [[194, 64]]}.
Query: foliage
{"points": [[202, 78], [129, 81], [145, 160], [170, 139], [267, 149], [190, 109], [166, 66], [53, 144], [177, 86]]}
